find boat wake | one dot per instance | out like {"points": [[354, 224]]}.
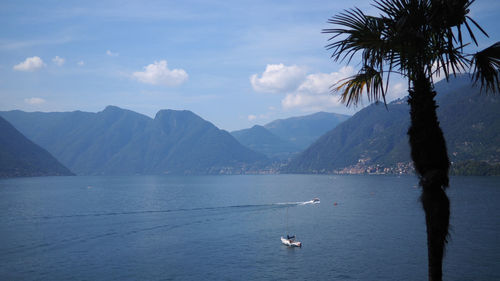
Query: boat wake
{"points": [[310, 202], [151, 221], [314, 201], [142, 212]]}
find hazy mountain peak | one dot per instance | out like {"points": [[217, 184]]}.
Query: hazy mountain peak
{"points": [[304, 130], [258, 128], [116, 109], [112, 108], [171, 113], [120, 141], [169, 118], [284, 137]]}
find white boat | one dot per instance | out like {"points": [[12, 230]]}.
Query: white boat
{"points": [[315, 200], [290, 242]]}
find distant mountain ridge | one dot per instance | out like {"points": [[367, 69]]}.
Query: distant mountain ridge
{"points": [[119, 141], [378, 137], [304, 130], [20, 157], [262, 140], [284, 138]]}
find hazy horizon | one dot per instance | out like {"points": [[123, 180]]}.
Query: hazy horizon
{"points": [[236, 64]]}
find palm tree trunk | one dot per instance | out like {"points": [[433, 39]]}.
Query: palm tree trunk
{"points": [[430, 158]]}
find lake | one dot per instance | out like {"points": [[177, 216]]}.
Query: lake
{"points": [[229, 228]]}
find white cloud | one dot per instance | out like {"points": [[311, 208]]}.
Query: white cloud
{"points": [[278, 78], [30, 64], [320, 83], [111, 54], [306, 92], [58, 61], [263, 116], [34, 101], [158, 73], [313, 94], [311, 103], [80, 63], [396, 91]]}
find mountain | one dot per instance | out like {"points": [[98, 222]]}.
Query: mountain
{"points": [[302, 131], [375, 138], [262, 140], [284, 138], [119, 141], [20, 157]]}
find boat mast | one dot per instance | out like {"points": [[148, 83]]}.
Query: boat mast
{"points": [[287, 221]]}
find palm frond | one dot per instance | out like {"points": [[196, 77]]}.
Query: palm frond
{"points": [[444, 15], [486, 68], [392, 8], [478, 26], [404, 35], [351, 89], [363, 34], [448, 58]]}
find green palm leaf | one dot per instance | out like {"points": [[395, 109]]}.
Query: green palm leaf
{"points": [[351, 89]]}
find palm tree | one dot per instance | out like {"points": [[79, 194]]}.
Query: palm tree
{"points": [[416, 39]]}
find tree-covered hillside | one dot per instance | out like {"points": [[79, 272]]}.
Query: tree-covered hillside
{"points": [[377, 136]]}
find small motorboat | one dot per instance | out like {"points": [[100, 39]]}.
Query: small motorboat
{"points": [[315, 200], [290, 241]]}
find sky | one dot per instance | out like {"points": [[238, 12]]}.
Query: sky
{"points": [[234, 63]]}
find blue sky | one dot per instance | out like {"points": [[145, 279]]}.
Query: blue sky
{"points": [[234, 63]]}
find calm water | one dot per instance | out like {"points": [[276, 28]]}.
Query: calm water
{"points": [[229, 228]]}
